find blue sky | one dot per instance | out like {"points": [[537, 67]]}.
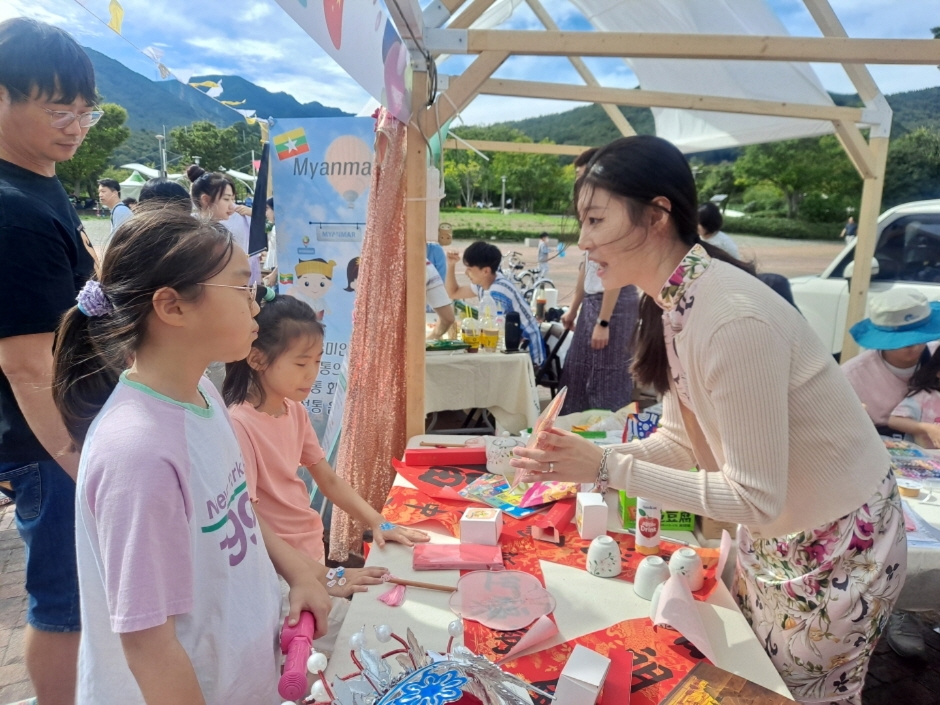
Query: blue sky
{"points": [[257, 40]]}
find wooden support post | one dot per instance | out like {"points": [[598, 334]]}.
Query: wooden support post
{"points": [[662, 99], [725, 47], [462, 90], [613, 112], [471, 14], [416, 179], [865, 245], [856, 147]]}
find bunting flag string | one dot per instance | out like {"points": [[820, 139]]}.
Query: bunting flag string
{"points": [[116, 24], [117, 16]]}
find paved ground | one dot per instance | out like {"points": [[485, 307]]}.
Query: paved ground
{"points": [[891, 679]]}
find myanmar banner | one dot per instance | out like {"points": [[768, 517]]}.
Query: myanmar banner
{"points": [[322, 177]]}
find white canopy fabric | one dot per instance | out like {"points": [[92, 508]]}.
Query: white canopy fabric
{"points": [[694, 130]]}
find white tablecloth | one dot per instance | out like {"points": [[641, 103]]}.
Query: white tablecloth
{"points": [[922, 587], [502, 383], [584, 604]]}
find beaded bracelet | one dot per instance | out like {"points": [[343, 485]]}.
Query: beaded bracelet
{"points": [[603, 477]]}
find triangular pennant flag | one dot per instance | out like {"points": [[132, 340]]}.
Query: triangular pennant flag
{"points": [[164, 71], [154, 53], [117, 16], [233, 103], [205, 84], [245, 113]]}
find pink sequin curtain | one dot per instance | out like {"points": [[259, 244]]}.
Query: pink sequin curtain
{"points": [[374, 418]]}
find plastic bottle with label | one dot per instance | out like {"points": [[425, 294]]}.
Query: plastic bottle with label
{"points": [[648, 521], [489, 330]]}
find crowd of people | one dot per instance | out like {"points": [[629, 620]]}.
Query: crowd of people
{"points": [[158, 509]]}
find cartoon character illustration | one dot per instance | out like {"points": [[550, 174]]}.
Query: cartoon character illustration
{"points": [[352, 275], [314, 278]]}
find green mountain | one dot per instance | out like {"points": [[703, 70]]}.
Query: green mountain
{"points": [[266, 103], [154, 105], [590, 126]]}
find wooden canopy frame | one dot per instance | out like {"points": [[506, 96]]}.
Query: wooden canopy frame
{"points": [[440, 30]]}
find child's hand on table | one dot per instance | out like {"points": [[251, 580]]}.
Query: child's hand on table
{"points": [[386, 531], [354, 580]]}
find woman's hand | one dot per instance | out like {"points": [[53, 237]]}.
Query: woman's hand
{"points": [[568, 318], [398, 534], [357, 580], [563, 457], [600, 337]]}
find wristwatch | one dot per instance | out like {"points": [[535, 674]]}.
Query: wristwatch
{"points": [[602, 323]]}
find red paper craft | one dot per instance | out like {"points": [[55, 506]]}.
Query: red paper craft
{"points": [[573, 552], [619, 684], [551, 525], [661, 658], [406, 507], [440, 481], [459, 457], [456, 556]]}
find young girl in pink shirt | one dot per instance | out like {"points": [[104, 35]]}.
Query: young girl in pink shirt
{"points": [[264, 393]]}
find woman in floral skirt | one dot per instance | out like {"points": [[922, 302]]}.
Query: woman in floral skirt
{"points": [[755, 401]]}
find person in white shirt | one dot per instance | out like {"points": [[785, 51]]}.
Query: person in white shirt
{"points": [[710, 221], [438, 300], [109, 193]]}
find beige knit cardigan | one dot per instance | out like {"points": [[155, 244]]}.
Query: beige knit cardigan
{"points": [[785, 439]]}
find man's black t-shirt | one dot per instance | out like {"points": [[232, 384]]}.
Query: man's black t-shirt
{"points": [[48, 259]]}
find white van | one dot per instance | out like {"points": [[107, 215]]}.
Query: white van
{"points": [[907, 254]]}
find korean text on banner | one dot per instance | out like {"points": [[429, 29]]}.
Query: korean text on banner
{"points": [[322, 175], [359, 36]]}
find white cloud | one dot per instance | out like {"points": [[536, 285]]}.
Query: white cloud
{"points": [[256, 39]]}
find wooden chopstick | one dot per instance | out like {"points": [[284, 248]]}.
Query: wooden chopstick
{"points": [[425, 586], [429, 444]]}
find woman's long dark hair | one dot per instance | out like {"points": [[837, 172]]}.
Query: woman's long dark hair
{"points": [[639, 169], [157, 248], [282, 320]]}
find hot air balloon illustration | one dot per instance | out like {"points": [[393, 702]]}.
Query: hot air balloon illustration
{"points": [[350, 161], [333, 12]]}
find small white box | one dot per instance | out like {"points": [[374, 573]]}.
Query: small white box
{"points": [[481, 525], [582, 677], [591, 515]]}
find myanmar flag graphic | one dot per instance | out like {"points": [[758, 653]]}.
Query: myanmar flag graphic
{"points": [[291, 144]]}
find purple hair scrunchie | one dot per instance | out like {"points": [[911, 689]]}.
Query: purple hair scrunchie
{"points": [[92, 301]]}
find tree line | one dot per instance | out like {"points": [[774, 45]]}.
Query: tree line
{"points": [[807, 179]]}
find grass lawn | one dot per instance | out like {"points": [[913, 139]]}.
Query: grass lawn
{"points": [[485, 220]]}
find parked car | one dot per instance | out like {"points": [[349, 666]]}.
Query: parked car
{"points": [[907, 254]]}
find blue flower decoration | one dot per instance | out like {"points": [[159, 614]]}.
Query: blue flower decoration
{"points": [[432, 689]]}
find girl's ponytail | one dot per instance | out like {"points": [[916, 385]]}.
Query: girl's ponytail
{"points": [[83, 379], [159, 247]]}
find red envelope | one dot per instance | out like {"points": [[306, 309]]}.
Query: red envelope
{"points": [[456, 556]]}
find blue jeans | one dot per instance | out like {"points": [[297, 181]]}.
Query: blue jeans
{"points": [[45, 518]]}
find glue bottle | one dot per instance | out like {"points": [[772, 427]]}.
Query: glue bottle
{"points": [[648, 519]]}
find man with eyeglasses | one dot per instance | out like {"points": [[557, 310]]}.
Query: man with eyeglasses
{"points": [[47, 106]]}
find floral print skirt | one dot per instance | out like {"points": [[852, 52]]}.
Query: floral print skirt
{"points": [[819, 600]]}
